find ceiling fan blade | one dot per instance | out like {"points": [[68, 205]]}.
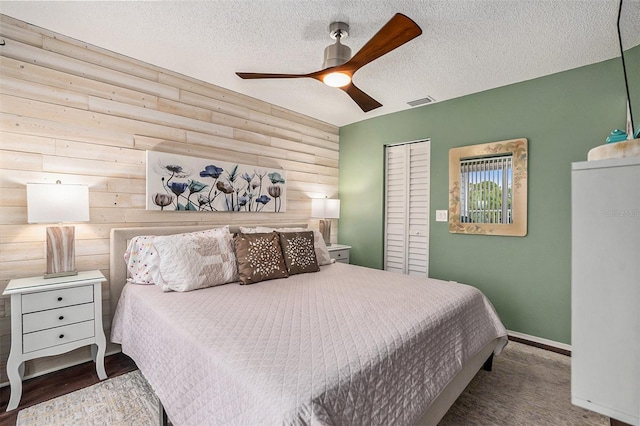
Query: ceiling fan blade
{"points": [[364, 101], [399, 30], [255, 75]]}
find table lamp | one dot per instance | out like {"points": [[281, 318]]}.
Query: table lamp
{"points": [[325, 209], [58, 203]]}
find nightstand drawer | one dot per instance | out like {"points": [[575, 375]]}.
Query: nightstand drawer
{"points": [[340, 255], [57, 317], [57, 336], [34, 302]]}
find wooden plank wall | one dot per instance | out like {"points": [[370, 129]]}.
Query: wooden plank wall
{"points": [[82, 114]]}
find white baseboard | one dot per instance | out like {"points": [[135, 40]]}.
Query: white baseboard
{"points": [[540, 340]]}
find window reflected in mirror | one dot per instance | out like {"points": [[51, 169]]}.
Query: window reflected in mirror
{"points": [[488, 188]]}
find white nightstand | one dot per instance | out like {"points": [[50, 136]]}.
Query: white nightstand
{"points": [[339, 252], [53, 316]]}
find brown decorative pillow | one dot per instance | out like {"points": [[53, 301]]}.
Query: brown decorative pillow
{"points": [[299, 252], [259, 257]]}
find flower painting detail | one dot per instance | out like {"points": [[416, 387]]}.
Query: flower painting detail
{"points": [[179, 182]]}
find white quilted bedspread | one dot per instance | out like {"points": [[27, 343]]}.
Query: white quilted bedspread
{"points": [[344, 346]]}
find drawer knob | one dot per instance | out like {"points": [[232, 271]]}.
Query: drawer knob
{"points": [[61, 317], [61, 336], [59, 298]]}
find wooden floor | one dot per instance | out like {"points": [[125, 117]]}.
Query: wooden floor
{"points": [[52, 385]]}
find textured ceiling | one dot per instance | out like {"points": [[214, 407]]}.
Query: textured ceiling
{"points": [[467, 46]]}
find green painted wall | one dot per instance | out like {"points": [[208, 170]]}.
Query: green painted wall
{"points": [[528, 279], [632, 64]]}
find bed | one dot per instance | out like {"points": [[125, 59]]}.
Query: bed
{"points": [[346, 345]]}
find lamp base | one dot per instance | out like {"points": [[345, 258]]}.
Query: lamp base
{"points": [[61, 253], [325, 230], [61, 274]]}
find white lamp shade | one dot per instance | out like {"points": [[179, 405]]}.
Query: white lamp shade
{"points": [[57, 203], [325, 208]]}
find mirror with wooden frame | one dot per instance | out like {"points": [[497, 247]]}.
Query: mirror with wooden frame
{"points": [[488, 188]]}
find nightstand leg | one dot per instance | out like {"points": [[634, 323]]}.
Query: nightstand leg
{"points": [[15, 371], [97, 353]]}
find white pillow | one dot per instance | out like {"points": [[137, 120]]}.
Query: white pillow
{"points": [[142, 259], [194, 261], [322, 254], [324, 258]]}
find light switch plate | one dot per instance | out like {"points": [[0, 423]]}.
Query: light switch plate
{"points": [[442, 215]]}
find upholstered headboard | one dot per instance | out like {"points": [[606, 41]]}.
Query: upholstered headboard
{"points": [[120, 238]]}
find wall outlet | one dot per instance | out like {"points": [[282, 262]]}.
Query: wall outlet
{"points": [[442, 215]]}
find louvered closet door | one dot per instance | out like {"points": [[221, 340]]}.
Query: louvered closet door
{"points": [[407, 208]]}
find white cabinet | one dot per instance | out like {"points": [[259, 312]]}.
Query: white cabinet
{"points": [[339, 252], [605, 287], [53, 316]]}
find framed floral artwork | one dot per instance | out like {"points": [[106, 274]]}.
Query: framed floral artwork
{"points": [[179, 182]]}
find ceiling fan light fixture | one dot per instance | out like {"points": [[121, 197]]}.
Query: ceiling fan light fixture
{"points": [[336, 79], [339, 67]]}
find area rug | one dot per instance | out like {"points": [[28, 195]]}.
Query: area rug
{"points": [[122, 400], [528, 386]]}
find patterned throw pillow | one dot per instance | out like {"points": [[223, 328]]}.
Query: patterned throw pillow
{"points": [[298, 252], [194, 261], [142, 260], [259, 257], [322, 254]]}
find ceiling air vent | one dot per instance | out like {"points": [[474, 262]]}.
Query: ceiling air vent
{"points": [[422, 101]]}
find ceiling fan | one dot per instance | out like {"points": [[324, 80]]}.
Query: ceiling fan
{"points": [[339, 66]]}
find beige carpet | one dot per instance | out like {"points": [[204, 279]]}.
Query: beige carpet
{"points": [[528, 386]]}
